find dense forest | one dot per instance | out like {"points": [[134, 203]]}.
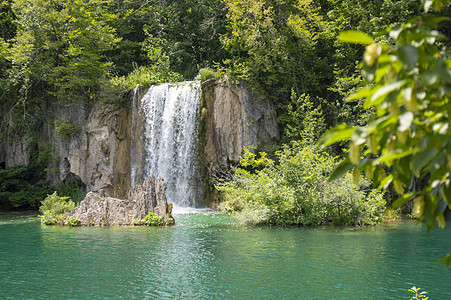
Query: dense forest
{"points": [[54, 52]]}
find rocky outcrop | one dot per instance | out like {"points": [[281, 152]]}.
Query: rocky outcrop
{"points": [[232, 118], [98, 210], [16, 152], [98, 154]]}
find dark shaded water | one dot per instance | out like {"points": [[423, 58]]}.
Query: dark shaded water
{"points": [[208, 256]]}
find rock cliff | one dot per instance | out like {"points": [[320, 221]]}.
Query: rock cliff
{"points": [[98, 210], [232, 118], [106, 140]]}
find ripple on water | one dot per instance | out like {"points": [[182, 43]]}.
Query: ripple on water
{"points": [[208, 255]]}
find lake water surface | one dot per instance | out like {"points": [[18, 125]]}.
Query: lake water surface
{"points": [[209, 256]]}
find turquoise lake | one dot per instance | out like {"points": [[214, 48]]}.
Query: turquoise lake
{"points": [[208, 256]]}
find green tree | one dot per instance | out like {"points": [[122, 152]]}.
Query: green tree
{"points": [[273, 44], [7, 18], [301, 120], [409, 85], [131, 18], [60, 46], [295, 191], [188, 32], [369, 17]]}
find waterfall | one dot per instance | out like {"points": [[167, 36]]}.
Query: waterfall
{"points": [[133, 154], [170, 139]]}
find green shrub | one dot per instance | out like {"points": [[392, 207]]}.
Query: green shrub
{"points": [[169, 220], [137, 222], [49, 218], [144, 76], [54, 209], [23, 187], [65, 129], [391, 214], [72, 222], [296, 191], [208, 73], [72, 188], [153, 220]]}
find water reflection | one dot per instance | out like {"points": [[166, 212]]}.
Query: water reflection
{"points": [[208, 256]]}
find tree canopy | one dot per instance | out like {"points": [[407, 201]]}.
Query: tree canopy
{"points": [[52, 52]]}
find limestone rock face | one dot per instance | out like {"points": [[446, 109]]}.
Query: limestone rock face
{"points": [[99, 152], [234, 119], [98, 210], [106, 150], [96, 152], [151, 194], [16, 152]]}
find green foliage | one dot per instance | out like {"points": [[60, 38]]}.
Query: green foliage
{"points": [[275, 42], [409, 86], [60, 46], [417, 293], [169, 220], [71, 222], [72, 188], [22, 187], [153, 220], [7, 20], [3, 51], [296, 191], [65, 129], [53, 209], [208, 73], [144, 76], [185, 34], [137, 222], [302, 120], [392, 214]]}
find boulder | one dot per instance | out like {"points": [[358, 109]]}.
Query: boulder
{"points": [[98, 210]]}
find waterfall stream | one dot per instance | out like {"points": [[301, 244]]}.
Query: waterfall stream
{"points": [[170, 139]]}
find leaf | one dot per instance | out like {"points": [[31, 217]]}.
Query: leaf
{"points": [[427, 4], [355, 37], [444, 72], [385, 183], [408, 55], [363, 93], [405, 120], [446, 193], [390, 156], [446, 260], [420, 159], [382, 32], [341, 169], [387, 89], [436, 20], [403, 199], [394, 34], [338, 133]]}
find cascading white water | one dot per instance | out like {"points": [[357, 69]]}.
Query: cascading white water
{"points": [[133, 163], [170, 139]]}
